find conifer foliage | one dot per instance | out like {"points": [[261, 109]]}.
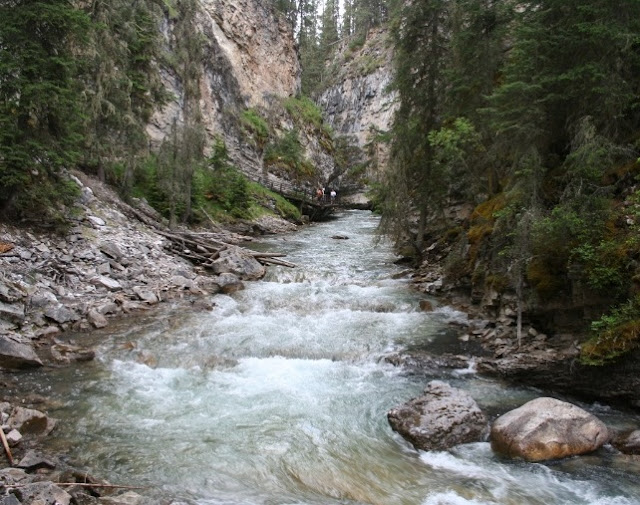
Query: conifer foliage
{"points": [[40, 104], [531, 113]]}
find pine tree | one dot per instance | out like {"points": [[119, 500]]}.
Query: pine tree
{"points": [[40, 108]]}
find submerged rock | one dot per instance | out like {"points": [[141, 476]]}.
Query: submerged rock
{"points": [[546, 428], [627, 443], [442, 418]]}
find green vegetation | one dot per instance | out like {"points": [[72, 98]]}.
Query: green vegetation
{"points": [[543, 139], [40, 106], [614, 334], [286, 152]]}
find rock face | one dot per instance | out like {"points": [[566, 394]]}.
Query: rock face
{"points": [[243, 41], [357, 105], [546, 428], [442, 418]]}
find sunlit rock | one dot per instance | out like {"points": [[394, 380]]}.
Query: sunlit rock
{"points": [[546, 428]]}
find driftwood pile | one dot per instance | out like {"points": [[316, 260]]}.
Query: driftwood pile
{"points": [[204, 249], [201, 248]]}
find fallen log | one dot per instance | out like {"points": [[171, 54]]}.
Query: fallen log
{"points": [[275, 261]]}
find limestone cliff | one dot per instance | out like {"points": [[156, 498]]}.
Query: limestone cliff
{"points": [[357, 102], [249, 61]]}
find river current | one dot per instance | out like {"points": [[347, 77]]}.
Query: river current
{"points": [[278, 396]]}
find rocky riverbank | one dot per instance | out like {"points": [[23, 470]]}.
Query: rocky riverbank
{"points": [[107, 264], [544, 359]]}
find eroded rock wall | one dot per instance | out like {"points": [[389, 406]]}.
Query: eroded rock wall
{"points": [[249, 60], [359, 99]]}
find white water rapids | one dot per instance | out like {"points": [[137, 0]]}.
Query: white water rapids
{"points": [[278, 396]]}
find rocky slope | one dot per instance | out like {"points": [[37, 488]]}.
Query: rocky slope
{"points": [[107, 264]]}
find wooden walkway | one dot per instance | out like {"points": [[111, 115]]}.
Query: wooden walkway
{"points": [[306, 200]]}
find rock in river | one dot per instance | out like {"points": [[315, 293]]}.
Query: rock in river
{"points": [[546, 428], [442, 418], [14, 354]]}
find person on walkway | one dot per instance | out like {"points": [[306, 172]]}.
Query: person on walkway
{"points": [[319, 194], [333, 195]]}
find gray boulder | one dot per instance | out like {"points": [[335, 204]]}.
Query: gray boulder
{"points": [[546, 428], [30, 422], [14, 354], [229, 283], [43, 492], [442, 418], [234, 260]]}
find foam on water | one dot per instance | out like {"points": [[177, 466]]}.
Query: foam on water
{"points": [[279, 395]]}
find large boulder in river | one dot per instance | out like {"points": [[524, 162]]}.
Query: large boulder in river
{"points": [[546, 428], [235, 261], [442, 418]]}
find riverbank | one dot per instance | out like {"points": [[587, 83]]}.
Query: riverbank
{"points": [[549, 360], [106, 266]]}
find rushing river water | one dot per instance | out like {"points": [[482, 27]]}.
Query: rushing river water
{"points": [[278, 396]]}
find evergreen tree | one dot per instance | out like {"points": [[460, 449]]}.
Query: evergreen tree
{"points": [[40, 108], [421, 33]]}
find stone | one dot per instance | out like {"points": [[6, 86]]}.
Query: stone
{"points": [[12, 312], [44, 492], [111, 250], [16, 355], [440, 419], [128, 498], [545, 429], [627, 443], [108, 308], [106, 282], [30, 422], [9, 294], [146, 295], [96, 319], [42, 298], [33, 460], [426, 306], [61, 314], [340, 237], [229, 283], [104, 269], [234, 261], [10, 499], [14, 437], [96, 221]]}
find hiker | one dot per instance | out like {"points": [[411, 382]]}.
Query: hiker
{"points": [[333, 195]]}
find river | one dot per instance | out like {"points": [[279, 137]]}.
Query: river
{"points": [[278, 396]]}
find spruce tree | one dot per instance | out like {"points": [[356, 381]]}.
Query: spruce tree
{"points": [[40, 108]]}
